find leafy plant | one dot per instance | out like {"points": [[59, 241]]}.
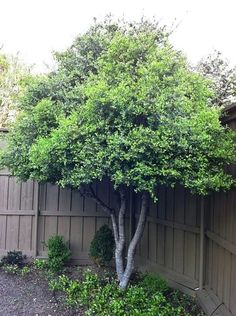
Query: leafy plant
{"points": [[11, 268], [153, 283], [102, 246], [146, 298], [14, 258], [24, 271], [58, 253], [40, 264]]}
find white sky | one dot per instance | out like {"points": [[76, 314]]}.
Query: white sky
{"points": [[37, 27]]}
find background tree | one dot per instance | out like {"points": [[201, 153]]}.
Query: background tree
{"points": [[13, 79], [139, 118], [223, 78]]}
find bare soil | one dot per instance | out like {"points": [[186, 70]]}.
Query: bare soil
{"points": [[29, 295]]}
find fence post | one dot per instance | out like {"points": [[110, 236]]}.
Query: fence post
{"points": [[202, 241], [36, 194]]}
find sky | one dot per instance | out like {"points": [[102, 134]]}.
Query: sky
{"points": [[36, 28]]}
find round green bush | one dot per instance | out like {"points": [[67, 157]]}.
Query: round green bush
{"points": [[102, 246], [58, 253]]}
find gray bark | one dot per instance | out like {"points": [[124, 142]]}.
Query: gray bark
{"points": [[133, 244], [121, 240], [123, 274]]}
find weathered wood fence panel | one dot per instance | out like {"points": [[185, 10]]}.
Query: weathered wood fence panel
{"points": [[60, 211], [66, 212], [170, 243], [17, 210]]}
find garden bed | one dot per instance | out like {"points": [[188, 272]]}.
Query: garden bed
{"points": [[29, 294]]}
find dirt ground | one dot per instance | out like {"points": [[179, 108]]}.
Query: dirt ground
{"points": [[28, 295]]}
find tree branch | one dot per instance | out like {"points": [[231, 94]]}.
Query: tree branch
{"points": [[90, 193]]}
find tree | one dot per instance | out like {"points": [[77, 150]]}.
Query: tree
{"points": [[13, 77], [223, 78], [142, 118]]}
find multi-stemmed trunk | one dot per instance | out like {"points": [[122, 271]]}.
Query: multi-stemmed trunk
{"points": [[124, 272], [124, 268]]}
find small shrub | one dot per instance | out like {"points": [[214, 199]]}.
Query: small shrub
{"points": [[11, 268], [58, 253], [40, 264], [24, 271], [14, 258], [102, 246]]}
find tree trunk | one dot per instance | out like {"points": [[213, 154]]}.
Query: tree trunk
{"points": [[133, 244], [120, 243], [123, 274]]}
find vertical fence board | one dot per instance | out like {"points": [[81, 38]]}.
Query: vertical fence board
{"points": [[227, 278], [64, 200], [3, 224], [152, 241], [76, 236], [52, 197], [144, 242], [25, 233], [12, 232], [88, 232], [189, 254], [3, 192], [41, 233], [169, 247], [233, 286], [77, 202], [64, 227], [27, 195], [50, 226], [14, 194], [160, 244]]}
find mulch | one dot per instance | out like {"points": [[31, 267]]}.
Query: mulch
{"points": [[29, 295]]}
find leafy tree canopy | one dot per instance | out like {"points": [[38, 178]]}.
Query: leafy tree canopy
{"points": [[14, 76], [123, 104], [223, 78]]}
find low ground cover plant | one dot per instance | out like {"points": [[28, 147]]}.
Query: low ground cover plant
{"points": [[15, 262], [40, 264], [14, 258], [100, 295]]}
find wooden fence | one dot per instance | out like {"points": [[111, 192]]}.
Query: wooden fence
{"points": [[191, 242]]}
